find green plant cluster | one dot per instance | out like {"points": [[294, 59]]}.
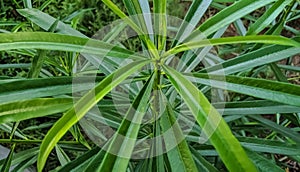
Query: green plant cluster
{"points": [[222, 96]]}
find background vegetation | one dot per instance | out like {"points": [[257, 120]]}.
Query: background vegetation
{"points": [[262, 97]]}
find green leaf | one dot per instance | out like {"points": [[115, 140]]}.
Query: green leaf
{"points": [[81, 160], [122, 144], [62, 156], [269, 16], [229, 15], [82, 107], [269, 146], [17, 65], [22, 156], [278, 73], [291, 68], [284, 131], [255, 107], [39, 58], [253, 59], [191, 19], [270, 90], [54, 41], [45, 21], [180, 157], [25, 165], [139, 11], [27, 3], [151, 47], [262, 163], [202, 163], [95, 162], [266, 39], [214, 127], [22, 110], [160, 23], [45, 4], [145, 7], [8, 160], [16, 90]]}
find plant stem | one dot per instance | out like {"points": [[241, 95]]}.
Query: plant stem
{"points": [[156, 110], [155, 89]]}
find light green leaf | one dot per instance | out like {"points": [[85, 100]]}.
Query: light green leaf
{"points": [[18, 65], [191, 19], [255, 107], [45, 21], [180, 157], [22, 110], [270, 90], [291, 68], [122, 143], [266, 39], [53, 41], [229, 15], [16, 90], [269, 146], [269, 16], [160, 23], [82, 107], [262, 163], [22, 156], [151, 47], [202, 163], [253, 59], [139, 11], [8, 160], [61, 155], [27, 3], [214, 127]]}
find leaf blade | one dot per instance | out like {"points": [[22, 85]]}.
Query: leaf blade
{"points": [[261, 88], [53, 41], [266, 39], [233, 156], [82, 107], [118, 155], [22, 110], [180, 157]]}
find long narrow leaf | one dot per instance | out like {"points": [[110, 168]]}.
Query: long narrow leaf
{"points": [[8, 160], [53, 41], [230, 14], [287, 132], [191, 19], [269, 146], [82, 107], [16, 90], [80, 160], [22, 110], [262, 163], [180, 157], [268, 17], [160, 23], [253, 59], [255, 107], [45, 21], [228, 147], [261, 88], [123, 142], [130, 22], [266, 39]]}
